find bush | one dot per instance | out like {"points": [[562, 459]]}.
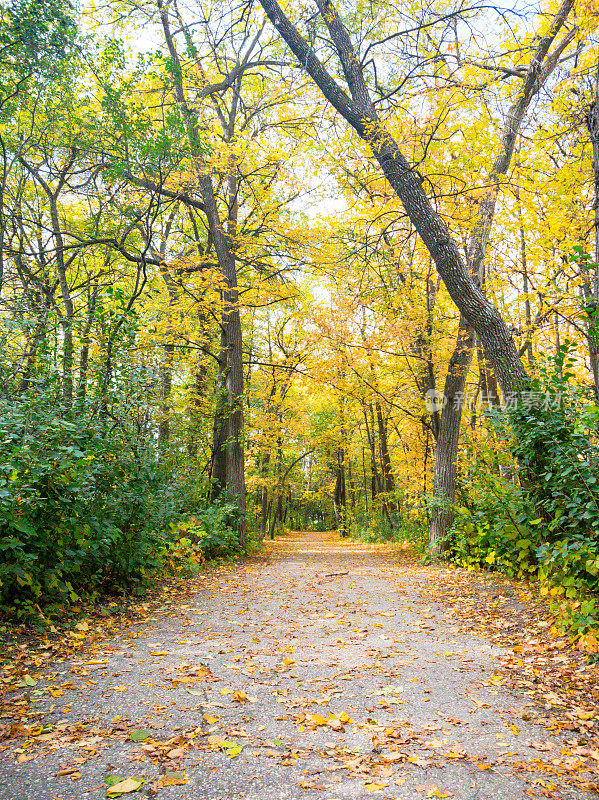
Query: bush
{"points": [[493, 531], [555, 444], [79, 510], [548, 525], [209, 533]]}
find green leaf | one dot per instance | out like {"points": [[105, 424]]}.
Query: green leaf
{"points": [[140, 735]]}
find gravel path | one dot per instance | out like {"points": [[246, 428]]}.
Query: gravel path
{"points": [[330, 670]]}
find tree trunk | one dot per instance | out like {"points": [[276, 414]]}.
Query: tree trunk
{"points": [[455, 384], [387, 469], [220, 429], [339, 495], [194, 409], [370, 435], [592, 293], [84, 353], [359, 111], [445, 473], [231, 319]]}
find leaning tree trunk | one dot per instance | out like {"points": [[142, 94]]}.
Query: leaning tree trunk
{"points": [[358, 109], [455, 383]]}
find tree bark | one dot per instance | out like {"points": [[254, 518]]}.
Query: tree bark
{"points": [[370, 435], [445, 476], [592, 293], [232, 373], [359, 111], [445, 473], [84, 353]]}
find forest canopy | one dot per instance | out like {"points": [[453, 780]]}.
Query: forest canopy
{"points": [[297, 265]]}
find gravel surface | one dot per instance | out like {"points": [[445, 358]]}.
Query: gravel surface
{"points": [[330, 670]]}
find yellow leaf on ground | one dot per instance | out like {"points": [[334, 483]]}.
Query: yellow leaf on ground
{"points": [[217, 741], [316, 719], [375, 787], [588, 643], [173, 779], [582, 714], [457, 752], [124, 787]]}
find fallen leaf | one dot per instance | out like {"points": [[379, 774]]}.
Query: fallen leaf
{"points": [[140, 736], [419, 762], [172, 779], [124, 787], [588, 643], [582, 714], [457, 752], [316, 719], [393, 757], [543, 747]]}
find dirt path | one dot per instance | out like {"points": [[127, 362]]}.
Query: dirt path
{"points": [[329, 670]]}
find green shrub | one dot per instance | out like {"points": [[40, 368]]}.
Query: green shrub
{"points": [[214, 530], [555, 444], [79, 510], [547, 525], [493, 531], [211, 532]]}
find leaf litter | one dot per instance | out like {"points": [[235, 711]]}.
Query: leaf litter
{"points": [[348, 682]]}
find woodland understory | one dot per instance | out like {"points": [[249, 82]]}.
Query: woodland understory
{"points": [[300, 267]]}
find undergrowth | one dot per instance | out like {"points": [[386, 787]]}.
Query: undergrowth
{"points": [[85, 512], [540, 518]]}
